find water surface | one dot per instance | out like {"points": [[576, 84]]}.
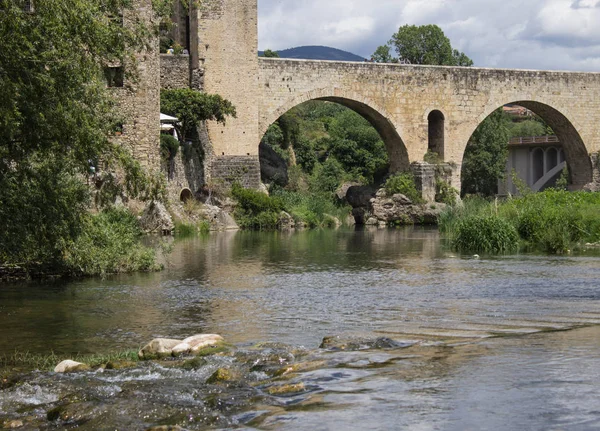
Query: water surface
{"points": [[491, 343]]}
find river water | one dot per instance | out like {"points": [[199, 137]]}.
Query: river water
{"points": [[418, 338]]}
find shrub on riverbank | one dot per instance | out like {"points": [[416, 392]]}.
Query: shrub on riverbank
{"points": [[553, 221], [403, 183], [109, 243], [257, 210]]}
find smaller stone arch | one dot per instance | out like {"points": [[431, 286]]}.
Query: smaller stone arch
{"points": [[436, 132], [185, 195]]}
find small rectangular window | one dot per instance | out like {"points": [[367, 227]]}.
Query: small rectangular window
{"points": [[114, 76], [28, 6]]}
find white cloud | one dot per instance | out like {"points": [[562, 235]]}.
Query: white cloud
{"points": [[532, 34]]}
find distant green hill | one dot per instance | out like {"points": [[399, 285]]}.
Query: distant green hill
{"points": [[318, 53]]}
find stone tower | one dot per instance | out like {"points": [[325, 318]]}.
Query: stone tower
{"points": [[228, 58]]}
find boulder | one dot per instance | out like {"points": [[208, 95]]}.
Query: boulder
{"points": [[222, 375], [359, 196], [332, 221], [196, 343], [263, 189], [342, 191], [401, 199], [273, 168], [218, 219], [399, 209], [156, 219], [69, 366], [286, 221], [158, 348]]}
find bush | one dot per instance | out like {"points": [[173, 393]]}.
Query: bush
{"points": [[445, 193], [490, 234], [255, 210], [403, 183], [109, 244], [553, 221]]}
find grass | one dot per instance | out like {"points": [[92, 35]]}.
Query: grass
{"points": [[553, 221], [25, 361], [109, 244]]}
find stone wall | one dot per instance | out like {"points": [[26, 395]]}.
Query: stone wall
{"points": [[227, 170], [139, 98], [174, 71]]}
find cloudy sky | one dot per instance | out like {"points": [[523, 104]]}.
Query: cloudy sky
{"points": [[529, 34]]}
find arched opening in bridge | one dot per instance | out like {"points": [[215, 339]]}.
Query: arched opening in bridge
{"points": [[524, 144], [343, 137], [436, 125], [330, 148]]}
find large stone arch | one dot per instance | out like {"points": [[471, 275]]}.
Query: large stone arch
{"points": [[575, 149], [369, 110]]}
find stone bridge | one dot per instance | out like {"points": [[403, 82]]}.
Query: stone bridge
{"points": [[414, 108]]}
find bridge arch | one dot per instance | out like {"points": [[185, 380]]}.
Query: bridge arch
{"points": [[375, 115], [574, 150]]}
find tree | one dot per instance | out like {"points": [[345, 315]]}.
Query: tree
{"points": [[56, 116], [383, 55], [270, 54], [485, 157], [427, 44], [191, 107]]}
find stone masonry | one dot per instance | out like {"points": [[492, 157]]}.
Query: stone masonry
{"points": [[396, 99]]}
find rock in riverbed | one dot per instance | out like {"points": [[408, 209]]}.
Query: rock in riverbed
{"points": [[163, 347], [69, 366], [158, 348]]}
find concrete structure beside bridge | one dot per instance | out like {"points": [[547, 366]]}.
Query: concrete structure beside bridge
{"points": [[414, 108], [537, 161]]}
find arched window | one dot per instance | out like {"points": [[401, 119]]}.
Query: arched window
{"points": [[436, 132]]}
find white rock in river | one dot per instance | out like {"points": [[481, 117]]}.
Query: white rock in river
{"points": [[181, 348], [70, 366], [200, 341], [157, 348]]}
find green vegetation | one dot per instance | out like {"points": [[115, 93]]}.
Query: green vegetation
{"points": [[192, 107], [109, 244], [56, 120], [425, 44], [25, 361], [553, 221], [270, 54], [256, 210], [403, 183], [485, 156]]}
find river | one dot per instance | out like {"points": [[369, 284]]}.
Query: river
{"points": [[419, 337]]}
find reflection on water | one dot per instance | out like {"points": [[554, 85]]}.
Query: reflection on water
{"points": [[490, 353]]}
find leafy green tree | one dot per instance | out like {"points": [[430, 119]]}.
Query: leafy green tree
{"points": [[383, 55], [192, 107], [427, 44], [56, 116], [270, 54], [484, 162]]}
